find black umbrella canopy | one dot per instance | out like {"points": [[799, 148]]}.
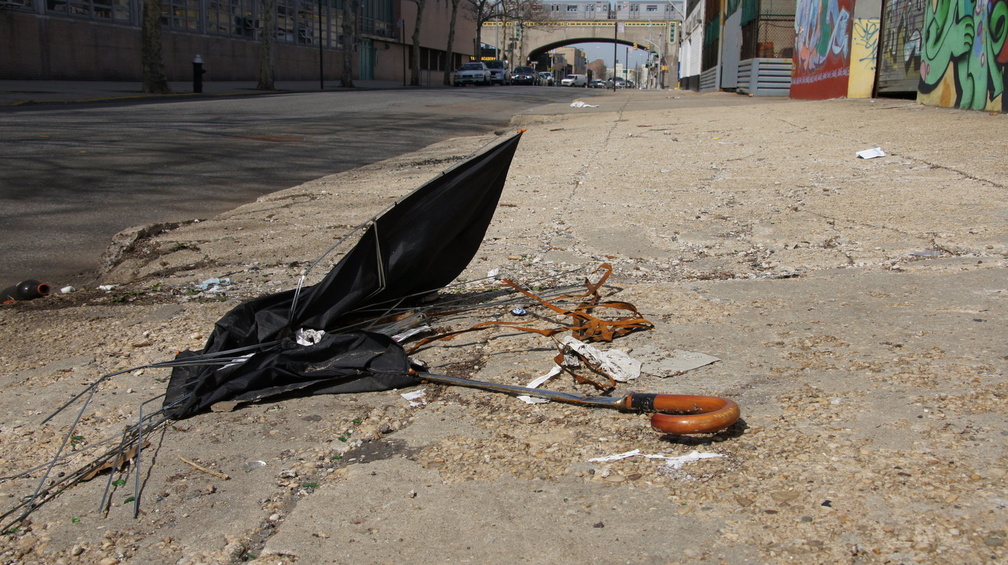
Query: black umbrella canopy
{"points": [[418, 245]]}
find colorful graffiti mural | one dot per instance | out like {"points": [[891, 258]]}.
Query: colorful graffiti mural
{"points": [[964, 54], [899, 56], [822, 48]]}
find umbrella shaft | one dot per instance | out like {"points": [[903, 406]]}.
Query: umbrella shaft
{"points": [[555, 396]]}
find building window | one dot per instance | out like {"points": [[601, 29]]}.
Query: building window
{"points": [[114, 10], [307, 22], [231, 17], [297, 21], [377, 19], [285, 21], [181, 14]]}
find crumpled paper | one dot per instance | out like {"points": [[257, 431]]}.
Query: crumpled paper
{"points": [[617, 364]]}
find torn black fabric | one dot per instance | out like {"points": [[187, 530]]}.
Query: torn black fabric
{"points": [[340, 362], [419, 245]]}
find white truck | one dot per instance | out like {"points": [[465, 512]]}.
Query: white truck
{"points": [[574, 80]]}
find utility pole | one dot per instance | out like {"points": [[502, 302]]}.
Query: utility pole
{"points": [[615, 45], [321, 68], [626, 63]]}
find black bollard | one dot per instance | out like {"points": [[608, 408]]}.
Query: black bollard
{"points": [[197, 74]]}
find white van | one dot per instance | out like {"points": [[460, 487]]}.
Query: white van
{"points": [[574, 80]]}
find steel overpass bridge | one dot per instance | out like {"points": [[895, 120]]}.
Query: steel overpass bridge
{"points": [[526, 43]]}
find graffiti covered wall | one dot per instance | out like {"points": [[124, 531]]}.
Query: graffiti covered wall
{"points": [[902, 35], [864, 52], [822, 48], [964, 55]]}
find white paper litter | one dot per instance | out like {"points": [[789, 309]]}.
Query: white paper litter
{"points": [[306, 337], [416, 397], [871, 153], [536, 382], [582, 104], [676, 462], [403, 336], [615, 363], [615, 457], [250, 466], [214, 284]]}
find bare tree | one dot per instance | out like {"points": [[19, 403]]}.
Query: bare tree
{"points": [[484, 11], [349, 39], [451, 43], [267, 65], [415, 50], [526, 11], [154, 78], [523, 13]]}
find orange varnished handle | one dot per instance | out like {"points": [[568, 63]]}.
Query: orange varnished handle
{"points": [[686, 414]]}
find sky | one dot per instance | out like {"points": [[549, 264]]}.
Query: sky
{"points": [[604, 51]]}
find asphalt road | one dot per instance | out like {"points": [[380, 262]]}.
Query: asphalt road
{"points": [[73, 176]]}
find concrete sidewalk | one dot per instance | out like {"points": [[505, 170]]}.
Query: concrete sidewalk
{"points": [[856, 308], [30, 92]]}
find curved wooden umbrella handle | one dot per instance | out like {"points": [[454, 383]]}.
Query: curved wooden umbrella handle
{"points": [[686, 414]]}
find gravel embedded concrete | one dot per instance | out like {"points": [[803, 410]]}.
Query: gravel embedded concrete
{"points": [[856, 307]]}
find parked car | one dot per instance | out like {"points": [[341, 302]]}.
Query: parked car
{"points": [[498, 72], [524, 75], [596, 83], [574, 80], [474, 72], [620, 83], [546, 77]]}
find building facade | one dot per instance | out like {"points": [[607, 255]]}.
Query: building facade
{"points": [[569, 60], [101, 39], [946, 54]]}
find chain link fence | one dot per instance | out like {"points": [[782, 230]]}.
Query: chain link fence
{"points": [[768, 38]]}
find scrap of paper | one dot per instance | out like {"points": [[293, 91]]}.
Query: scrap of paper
{"points": [[415, 398], [536, 382], [871, 153], [615, 363], [674, 461]]}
